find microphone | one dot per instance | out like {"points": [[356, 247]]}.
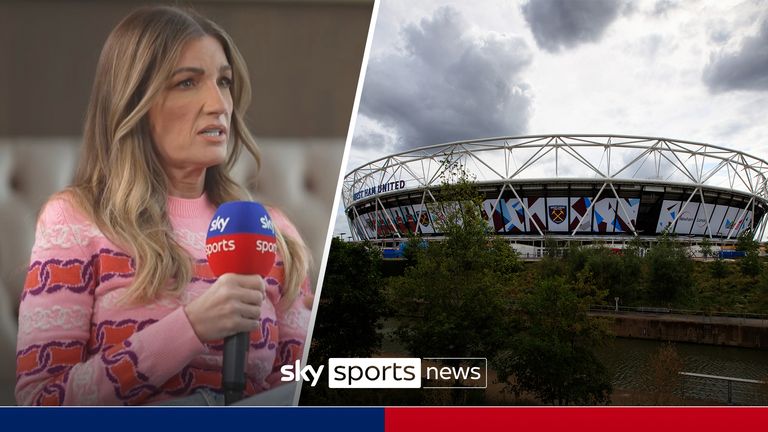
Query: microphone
{"points": [[241, 240]]}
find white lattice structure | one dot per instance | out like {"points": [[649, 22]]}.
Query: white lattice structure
{"points": [[568, 186]]}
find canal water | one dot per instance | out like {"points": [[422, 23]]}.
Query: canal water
{"points": [[629, 361]]}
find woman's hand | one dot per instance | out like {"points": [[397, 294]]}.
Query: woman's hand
{"points": [[231, 305]]}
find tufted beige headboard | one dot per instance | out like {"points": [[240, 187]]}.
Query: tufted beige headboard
{"points": [[299, 176]]}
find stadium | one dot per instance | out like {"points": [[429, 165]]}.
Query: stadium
{"points": [[587, 189]]}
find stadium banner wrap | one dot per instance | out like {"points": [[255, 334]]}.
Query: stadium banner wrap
{"points": [[560, 215]]}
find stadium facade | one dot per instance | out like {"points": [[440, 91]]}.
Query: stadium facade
{"points": [[570, 187]]}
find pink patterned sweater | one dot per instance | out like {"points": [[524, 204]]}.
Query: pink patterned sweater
{"points": [[78, 346]]}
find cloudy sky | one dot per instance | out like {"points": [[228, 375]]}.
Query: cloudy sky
{"points": [[443, 71]]}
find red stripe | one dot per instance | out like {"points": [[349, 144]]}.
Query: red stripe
{"points": [[575, 419], [237, 253]]}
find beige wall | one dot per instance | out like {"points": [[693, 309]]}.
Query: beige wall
{"points": [[304, 59]]}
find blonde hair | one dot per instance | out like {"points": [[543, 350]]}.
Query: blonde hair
{"points": [[120, 182]]}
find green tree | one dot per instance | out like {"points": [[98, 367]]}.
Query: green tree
{"points": [[552, 355], [413, 249], [706, 248], [619, 275], [630, 286], [551, 247], [670, 270], [718, 269], [504, 258], [635, 247], [750, 264], [762, 283], [454, 302], [351, 304]]}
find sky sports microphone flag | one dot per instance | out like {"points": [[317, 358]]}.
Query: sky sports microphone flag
{"points": [[241, 239]]}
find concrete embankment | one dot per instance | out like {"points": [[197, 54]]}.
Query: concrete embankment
{"points": [[729, 331]]}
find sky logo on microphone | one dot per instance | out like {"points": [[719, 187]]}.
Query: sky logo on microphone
{"points": [[266, 223], [241, 239], [219, 224]]}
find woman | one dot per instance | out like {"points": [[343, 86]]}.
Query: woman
{"points": [[119, 305]]}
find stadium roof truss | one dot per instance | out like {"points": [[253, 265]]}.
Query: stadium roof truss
{"points": [[605, 159]]}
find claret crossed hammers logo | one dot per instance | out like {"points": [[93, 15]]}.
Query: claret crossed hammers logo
{"points": [[557, 213]]}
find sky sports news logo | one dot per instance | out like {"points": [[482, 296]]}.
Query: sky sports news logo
{"points": [[360, 373]]}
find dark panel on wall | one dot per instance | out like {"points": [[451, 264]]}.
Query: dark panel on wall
{"points": [[304, 60]]}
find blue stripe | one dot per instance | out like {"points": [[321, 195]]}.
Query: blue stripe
{"points": [[184, 419], [241, 217]]}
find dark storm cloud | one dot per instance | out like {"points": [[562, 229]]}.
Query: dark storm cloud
{"points": [[446, 85], [558, 24], [367, 139], [745, 69]]}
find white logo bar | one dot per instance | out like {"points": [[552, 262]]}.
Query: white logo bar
{"points": [[374, 373]]}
